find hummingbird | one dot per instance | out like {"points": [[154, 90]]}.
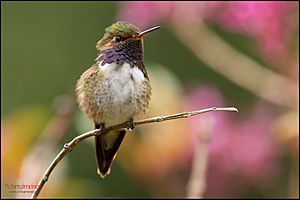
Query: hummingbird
{"points": [[116, 88]]}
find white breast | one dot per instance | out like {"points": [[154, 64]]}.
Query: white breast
{"points": [[123, 72], [121, 86]]}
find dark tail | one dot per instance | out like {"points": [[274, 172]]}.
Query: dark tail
{"points": [[106, 149]]}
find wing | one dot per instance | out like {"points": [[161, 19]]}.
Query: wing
{"points": [[85, 89]]}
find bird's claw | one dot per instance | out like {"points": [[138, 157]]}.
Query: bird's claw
{"points": [[104, 131], [130, 125]]}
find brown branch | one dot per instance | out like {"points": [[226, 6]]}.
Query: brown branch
{"points": [[36, 159], [197, 182], [237, 67], [69, 146]]}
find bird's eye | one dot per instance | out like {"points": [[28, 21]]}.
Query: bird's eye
{"points": [[118, 39]]}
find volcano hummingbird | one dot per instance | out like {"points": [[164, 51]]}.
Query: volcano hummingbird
{"points": [[116, 88]]}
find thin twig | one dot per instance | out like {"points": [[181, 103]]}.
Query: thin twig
{"points": [[68, 147], [36, 159]]}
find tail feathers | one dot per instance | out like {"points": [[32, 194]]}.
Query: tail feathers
{"points": [[106, 150]]}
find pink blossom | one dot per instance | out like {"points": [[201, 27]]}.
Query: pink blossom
{"points": [[268, 23], [201, 98], [149, 13], [241, 151], [144, 13]]}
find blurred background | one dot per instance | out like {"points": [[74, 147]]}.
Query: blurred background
{"points": [[242, 54]]}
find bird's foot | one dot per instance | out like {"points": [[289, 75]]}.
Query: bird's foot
{"points": [[102, 128], [104, 131], [130, 125]]}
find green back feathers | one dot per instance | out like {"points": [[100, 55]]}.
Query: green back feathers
{"points": [[120, 28]]}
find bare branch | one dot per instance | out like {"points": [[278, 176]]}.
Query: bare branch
{"points": [[236, 66], [68, 147], [36, 159], [197, 181]]}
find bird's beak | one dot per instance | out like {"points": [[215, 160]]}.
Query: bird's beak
{"points": [[143, 33]]}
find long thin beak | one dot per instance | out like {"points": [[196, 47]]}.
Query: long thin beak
{"points": [[143, 33]]}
